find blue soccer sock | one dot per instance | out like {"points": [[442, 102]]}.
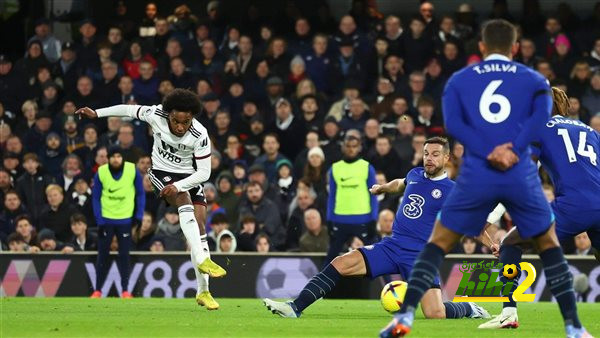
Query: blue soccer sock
{"points": [[560, 282], [511, 254], [422, 276], [320, 285], [457, 310]]}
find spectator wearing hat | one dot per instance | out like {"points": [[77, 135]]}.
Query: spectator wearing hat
{"points": [[347, 66], [68, 68], [285, 179], [12, 85], [261, 207], [227, 198], [289, 129], [563, 60], [56, 214], [310, 113], [210, 107], [249, 111], [86, 46], [34, 59], [332, 140], [315, 170], [50, 97], [226, 242], [31, 186], [311, 140], [53, 154], [268, 160], [118, 200], [11, 162], [49, 242], [275, 91]]}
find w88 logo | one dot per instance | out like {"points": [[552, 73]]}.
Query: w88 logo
{"points": [[414, 208]]}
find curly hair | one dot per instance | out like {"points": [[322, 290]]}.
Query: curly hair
{"points": [[560, 102], [182, 100]]}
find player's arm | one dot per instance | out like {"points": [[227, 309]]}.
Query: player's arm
{"points": [[541, 110], [484, 237], [202, 158], [456, 125], [121, 110], [392, 187]]}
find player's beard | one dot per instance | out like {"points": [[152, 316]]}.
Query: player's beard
{"points": [[433, 171]]}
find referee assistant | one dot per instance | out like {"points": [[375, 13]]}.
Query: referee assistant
{"points": [[118, 199]]}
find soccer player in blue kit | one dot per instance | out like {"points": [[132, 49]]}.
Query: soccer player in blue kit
{"points": [[495, 109], [425, 190], [568, 150]]}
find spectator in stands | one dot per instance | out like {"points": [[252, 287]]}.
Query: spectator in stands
{"points": [[296, 227], [170, 231], [12, 208], [318, 63], [34, 59], [147, 27], [131, 153], [271, 156], [385, 222], [50, 44], [71, 170], [315, 170], [56, 215], [71, 137], [358, 116], [32, 185], [262, 243], [227, 242], [385, 159], [347, 66], [16, 243], [53, 155], [418, 46], [247, 234], [469, 246], [12, 85], [591, 98], [315, 238], [11, 163], [143, 234], [288, 128], [25, 228], [48, 242], [427, 120], [218, 223], [583, 245], [82, 240], [227, 198], [261, 207], [145, 87]]}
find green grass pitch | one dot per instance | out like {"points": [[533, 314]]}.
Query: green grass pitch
{"points": [[157, 317]]}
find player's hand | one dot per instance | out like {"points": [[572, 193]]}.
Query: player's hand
{"points": [[87, 112], [377, 189], [168, 191], [495, 250], [503, 157]]}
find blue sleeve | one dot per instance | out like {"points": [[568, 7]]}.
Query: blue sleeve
{"points": [[140, 197], [331, 197], [374, 204], [541, 109], [536, 149], [96, 194], [456, 125]]}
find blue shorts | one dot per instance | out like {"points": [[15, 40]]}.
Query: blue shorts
{"points": [[570, 222], [468, 205], [388, 257]]}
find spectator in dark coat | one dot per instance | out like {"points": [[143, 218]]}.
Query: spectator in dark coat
{"points": [[53, 155], [318, 64], [261, 208], [31, 186], [385, 159], [12, 208], [143, 234], [315, 238], [247, 234], [57, 214], [347, 65], [288, 128], [418, 46], [82, 239], [145, 88], [36, 136], [268, 160]]}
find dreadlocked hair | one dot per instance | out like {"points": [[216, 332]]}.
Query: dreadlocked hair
{"points": [[560, 102]]}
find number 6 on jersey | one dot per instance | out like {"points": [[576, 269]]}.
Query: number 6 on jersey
{"points": [[488, 98]]}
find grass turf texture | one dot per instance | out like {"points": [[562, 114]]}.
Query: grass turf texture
{"points": [[153, 317]]}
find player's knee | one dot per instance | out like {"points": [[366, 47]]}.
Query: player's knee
{"points": [[342, 265], [434, 313]]}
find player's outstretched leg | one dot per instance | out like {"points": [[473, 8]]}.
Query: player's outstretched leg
{"points": [[203, 296], [434, 308], [421, 278], [350, 264]]}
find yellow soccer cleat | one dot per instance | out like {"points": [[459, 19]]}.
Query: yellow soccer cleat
{"points": [[207, 300], [211, 268]]}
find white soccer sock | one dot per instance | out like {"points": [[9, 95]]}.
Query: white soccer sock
{"points": [[509, 311], [201, 278], [189, 226]]}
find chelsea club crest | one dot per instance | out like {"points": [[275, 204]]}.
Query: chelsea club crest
{"points": [[436, 193]]}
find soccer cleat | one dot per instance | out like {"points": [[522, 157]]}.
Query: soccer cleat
{"points": [[206, 299], [573, 332], [508, 319], [400, 326], [96, 294], [283, 309], [211, 268], [478, 312], [126, 295]]}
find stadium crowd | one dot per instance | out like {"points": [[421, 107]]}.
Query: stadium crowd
{"points": [[277, 98]]}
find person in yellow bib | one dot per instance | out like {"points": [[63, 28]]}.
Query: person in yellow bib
{"points": [[118, 199], [351, 209]]}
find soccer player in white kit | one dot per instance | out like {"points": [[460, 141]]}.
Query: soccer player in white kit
{"points": [[180, 164]]}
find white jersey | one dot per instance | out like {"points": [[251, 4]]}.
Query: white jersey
{"points": [[189, 154]]}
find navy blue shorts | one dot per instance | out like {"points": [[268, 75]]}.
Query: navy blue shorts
{"points": [[468, 205], [387, 257], [570, 222]]}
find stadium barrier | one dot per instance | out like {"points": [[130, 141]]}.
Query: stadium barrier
{"points": [[279, 275]]}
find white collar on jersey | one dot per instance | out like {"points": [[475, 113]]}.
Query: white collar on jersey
{"points": [[439, 178], [496, 56]]}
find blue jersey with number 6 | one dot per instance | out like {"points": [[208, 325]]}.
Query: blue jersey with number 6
{"points": [[491, 103], [568, 150]]}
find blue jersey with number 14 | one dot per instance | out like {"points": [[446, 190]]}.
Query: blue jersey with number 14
{"points": [[568, 150], [491, 103]]}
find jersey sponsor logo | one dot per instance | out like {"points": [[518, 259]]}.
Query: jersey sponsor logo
{"points": [[436, 193], [168, 156], [414, 208]]}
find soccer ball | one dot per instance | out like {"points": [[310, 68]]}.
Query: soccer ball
{"points": [[392, 295]]}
